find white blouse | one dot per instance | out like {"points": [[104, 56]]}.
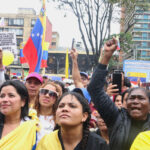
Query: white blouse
{"points": [[47, 125]]}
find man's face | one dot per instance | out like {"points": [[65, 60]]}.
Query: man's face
{"points": [[85, 80], [33, 85], [45, 79]]}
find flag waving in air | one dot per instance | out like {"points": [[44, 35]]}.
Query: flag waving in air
{"points": [[22, 58], [36, 48]]}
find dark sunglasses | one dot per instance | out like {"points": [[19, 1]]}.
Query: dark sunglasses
{"points": [[45, 91]]}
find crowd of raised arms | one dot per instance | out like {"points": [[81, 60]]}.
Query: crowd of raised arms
{"points": [[83, 113]]}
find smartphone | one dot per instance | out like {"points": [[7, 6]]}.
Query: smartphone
{"points": [[117, 79], [73, 41]]}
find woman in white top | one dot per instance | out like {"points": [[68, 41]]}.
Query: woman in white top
{"points": [[45, 105]]}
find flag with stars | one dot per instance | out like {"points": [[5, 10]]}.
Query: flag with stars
{"points": [[33, 48]]}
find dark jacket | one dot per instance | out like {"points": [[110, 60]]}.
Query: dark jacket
{"points": [[95, 142], [117, 121]]}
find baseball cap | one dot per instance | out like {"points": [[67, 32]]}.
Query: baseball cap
{"points": [[83, 92], [35, 75], [84, 74]]}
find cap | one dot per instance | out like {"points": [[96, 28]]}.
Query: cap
{"points": [[83, 92], [46, 76], [78, 90], [84, 74], [35, 75]]}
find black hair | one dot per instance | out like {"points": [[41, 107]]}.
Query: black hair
{"points": [[116, 97], [139, 88], [127, 82], [22, 91], [62, 86], [124, 93], [86, 108]]}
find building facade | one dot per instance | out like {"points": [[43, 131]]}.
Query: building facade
{"points": [[140, 32], [22, 24]]}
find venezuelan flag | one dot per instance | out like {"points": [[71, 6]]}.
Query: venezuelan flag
{"points": [[33, 48], [22, 58]]}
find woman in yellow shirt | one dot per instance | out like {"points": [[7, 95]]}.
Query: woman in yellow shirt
{"points": [[17, 131]]}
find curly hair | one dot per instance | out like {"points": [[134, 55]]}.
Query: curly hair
{"points": [[37, 104]]}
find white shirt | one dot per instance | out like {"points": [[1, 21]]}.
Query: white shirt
{"points": [[47, 125]]}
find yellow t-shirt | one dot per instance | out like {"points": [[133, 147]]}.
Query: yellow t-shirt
{"points": [[21, 138], [50, 142], [142, 141]]}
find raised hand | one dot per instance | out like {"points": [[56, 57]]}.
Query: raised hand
{"points": [[74, 54], [109, 48]]}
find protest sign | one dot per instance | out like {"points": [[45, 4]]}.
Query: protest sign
{"points": [[8, 42], [135, 69]]}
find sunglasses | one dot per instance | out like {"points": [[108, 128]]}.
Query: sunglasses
{"points": [[50, 93]]}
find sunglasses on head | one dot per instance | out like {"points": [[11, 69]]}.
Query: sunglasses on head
{"points": [[50, 93]]}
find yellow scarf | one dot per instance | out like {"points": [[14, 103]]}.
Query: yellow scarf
{"points": [[142, 141], [50, 142], [21, 138]]}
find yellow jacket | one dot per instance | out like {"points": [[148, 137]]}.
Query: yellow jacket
{"points": [[21, 138], [142, 141], [50, 142]]}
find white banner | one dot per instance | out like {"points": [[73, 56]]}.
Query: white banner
{"points": [[8, 42]]}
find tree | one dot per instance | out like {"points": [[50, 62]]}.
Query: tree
{"points": [[94, 20]]}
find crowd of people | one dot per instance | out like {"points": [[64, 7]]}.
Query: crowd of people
{"points": [[83, 114]]}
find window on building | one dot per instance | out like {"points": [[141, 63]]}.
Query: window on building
{"points": [[144, 35], [54, 35], [145, 16], [18, 32], [15, 22], [145, 25], [144, 44], [138, 16], [53, 43], [138, 25], [143, 53], [33, 21], [137, 34]]}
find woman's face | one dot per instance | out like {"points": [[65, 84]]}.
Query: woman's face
{"points": [[138, 105], [45, 99], [69, 112], [100, 122], [118, 101], [10, 101]]}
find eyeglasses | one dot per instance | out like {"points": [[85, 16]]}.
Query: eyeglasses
{"points": [[51, 93]]}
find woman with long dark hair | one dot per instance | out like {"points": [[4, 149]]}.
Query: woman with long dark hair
{"points": [[17, 130], [72, 116]]}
